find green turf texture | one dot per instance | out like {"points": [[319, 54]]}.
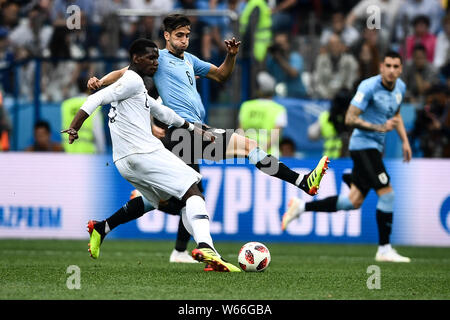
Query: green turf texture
{"points": [[36, 269]]}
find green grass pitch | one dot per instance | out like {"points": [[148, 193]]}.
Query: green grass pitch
{"points": [[37, 269]]}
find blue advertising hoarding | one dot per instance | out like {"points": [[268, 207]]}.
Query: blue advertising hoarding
{"points": [[57, 196]]}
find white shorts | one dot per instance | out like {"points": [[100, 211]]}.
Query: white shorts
{"points": [[158, 175]]}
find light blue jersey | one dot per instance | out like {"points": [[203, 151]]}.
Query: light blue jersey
{"points": [[175, 81], [378, 105]]}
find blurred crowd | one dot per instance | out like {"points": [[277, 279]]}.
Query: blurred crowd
{"points": [[319, 49]]}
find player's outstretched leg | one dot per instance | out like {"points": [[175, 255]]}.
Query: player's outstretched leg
{"points": [[132, 210], [272, 166], [97, 233], [297, 206], [196, 220], [311, 182]]}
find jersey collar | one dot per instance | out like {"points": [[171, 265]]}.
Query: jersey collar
{"points": [[382, 84], [175, 55]]}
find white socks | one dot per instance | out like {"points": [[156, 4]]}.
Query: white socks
{"points": [[301, 207], [186, 222], [299, 180], [198, 220], [107, 230]]}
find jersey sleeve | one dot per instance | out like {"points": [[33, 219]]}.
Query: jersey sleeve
{"points": [[201, 68], [124, 88], [362, 96], [164, 114]]}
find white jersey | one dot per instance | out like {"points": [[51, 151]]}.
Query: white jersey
{"points": [[129, 116]]}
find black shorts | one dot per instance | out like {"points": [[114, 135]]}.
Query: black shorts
{"points": [[368, 170], [191, 147]]}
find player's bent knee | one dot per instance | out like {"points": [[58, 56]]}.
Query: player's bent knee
{"points": [[344, 203], [356, 201], [192, 191], [147, 205], [356, 197], [386, 202], [172, 206], [357, 204]]}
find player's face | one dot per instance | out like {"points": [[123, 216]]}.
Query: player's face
{"points": [[149, 62], [178, 39], [391, 69]]}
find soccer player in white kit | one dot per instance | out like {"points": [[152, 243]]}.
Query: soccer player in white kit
{"points": [[175, 82], [142, 159]]}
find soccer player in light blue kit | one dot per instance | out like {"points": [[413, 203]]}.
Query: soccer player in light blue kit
{"points": [[176, 85], [373, 111]]}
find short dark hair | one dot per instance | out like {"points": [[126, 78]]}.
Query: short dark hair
{"points": [[42, 124], [392, 54], [421, 18], [419, 47], [138, 46], [288, 141], [175, 21]]}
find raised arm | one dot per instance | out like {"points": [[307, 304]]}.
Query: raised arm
{"points": [[113, 76], [223, 72], [353, 120], [116, 92]]}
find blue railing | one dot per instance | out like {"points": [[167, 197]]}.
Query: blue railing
{"points": [[301, 112], [14, 102]]}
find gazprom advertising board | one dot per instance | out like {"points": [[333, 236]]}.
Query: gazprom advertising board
{"points": [[54, 195]]}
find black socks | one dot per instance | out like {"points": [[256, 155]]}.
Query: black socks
{"points": [[133, 209], [324, 205], [273, 167], [183, 237], [384, 222]]}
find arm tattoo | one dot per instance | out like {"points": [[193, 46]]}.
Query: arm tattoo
{"points": [[353, 120]]}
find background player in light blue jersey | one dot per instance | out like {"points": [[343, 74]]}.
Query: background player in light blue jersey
{"points": [[373, 111], [175, 82]]}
